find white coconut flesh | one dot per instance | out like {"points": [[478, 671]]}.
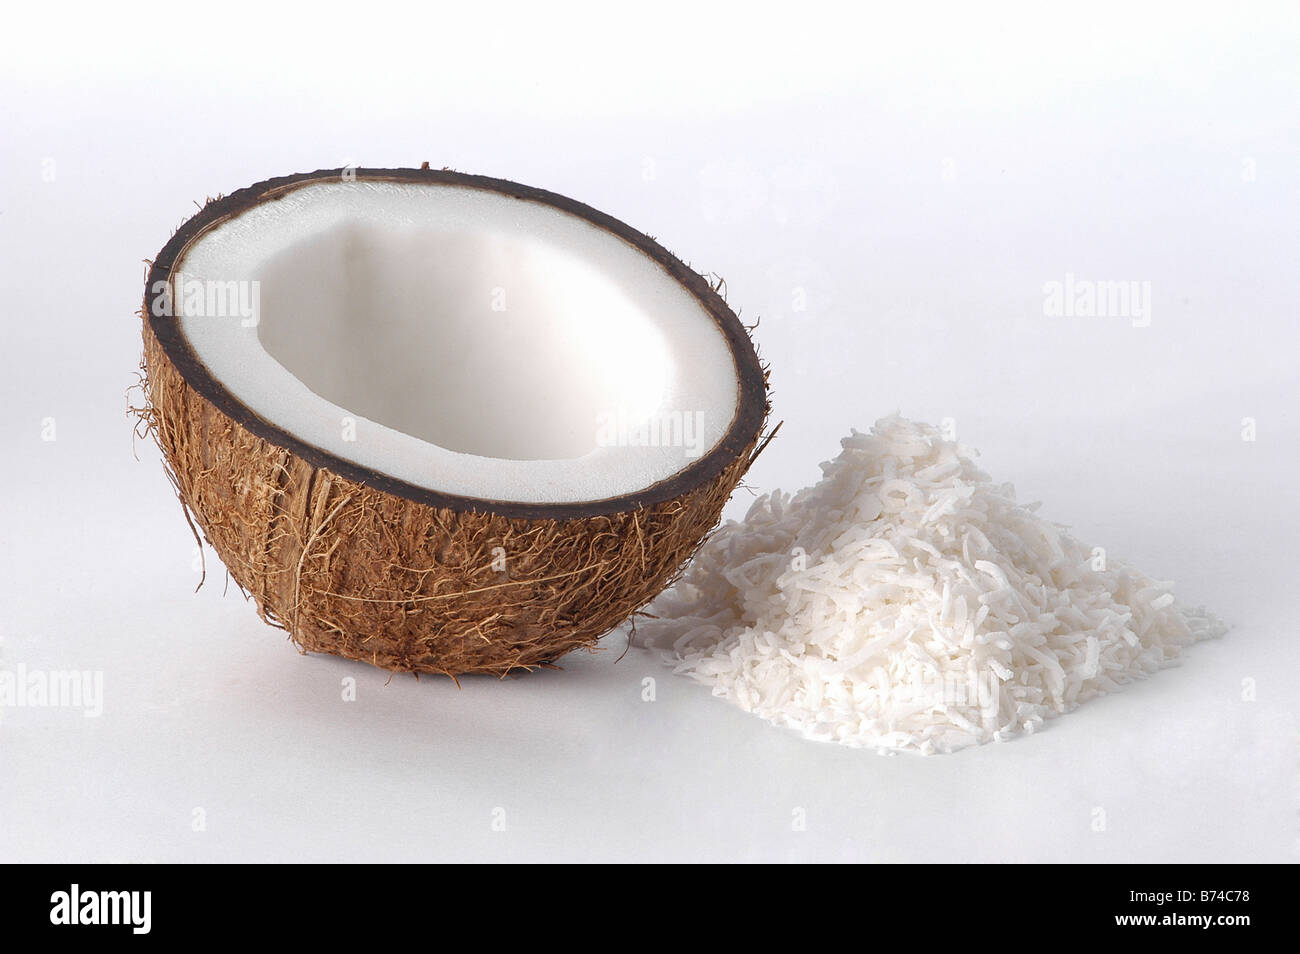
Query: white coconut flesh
{"points": [[459, 340]]}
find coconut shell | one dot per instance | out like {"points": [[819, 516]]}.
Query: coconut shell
{"points": [[357, 565]]}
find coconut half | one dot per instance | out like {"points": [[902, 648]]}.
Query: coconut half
{"points": [[441, 422]]}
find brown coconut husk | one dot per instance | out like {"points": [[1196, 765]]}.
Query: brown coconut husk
{"points": [[357, 565]]}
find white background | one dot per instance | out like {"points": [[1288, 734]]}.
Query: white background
{"points": [[919, 176]]}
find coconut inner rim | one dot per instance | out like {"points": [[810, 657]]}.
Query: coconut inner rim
{"points": [[458, 340]]}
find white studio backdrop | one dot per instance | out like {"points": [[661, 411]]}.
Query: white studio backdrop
{"points": [[891, 193]]}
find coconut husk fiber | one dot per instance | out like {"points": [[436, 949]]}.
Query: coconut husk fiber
{"points": [[352, 568]]}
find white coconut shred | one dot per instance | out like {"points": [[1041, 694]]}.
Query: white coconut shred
{"points": [[907, 602]]}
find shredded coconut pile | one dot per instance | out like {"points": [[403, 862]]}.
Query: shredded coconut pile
{"points": [[907, 602]]}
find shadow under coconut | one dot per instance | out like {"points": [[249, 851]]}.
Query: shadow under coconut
{"points": [[328, 689]]}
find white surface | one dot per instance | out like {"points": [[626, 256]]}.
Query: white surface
{"points": [[460, 340], [917, 180]]}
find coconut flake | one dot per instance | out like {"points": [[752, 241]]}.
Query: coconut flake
{"points": [[906, 602]]}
